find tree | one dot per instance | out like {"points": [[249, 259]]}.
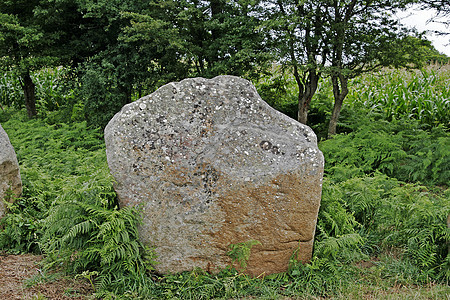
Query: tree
{"points": [[298, 37], [442, 16], [442, 8], [365, 38], [34, 34], [137, 49], [222, 37], [19, 42], [340, 39], [123, 48]]}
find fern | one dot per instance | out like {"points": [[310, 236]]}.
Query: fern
{"points": [[85, 235], [322, 276], [406, 216], [399, 149], [388, 213], [240, 252], [334, 217], [335, 246], [68, 209]]}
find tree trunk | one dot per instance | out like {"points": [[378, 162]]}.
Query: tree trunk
{"points": [[340, 91], [126, 91], [307, 89], [334, 117], [303, 107], [29, 91]]}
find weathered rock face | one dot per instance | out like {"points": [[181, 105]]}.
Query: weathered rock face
{"points": [[211, 164], [9, 171]]}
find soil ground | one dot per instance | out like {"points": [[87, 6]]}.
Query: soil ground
{"points": [[21, 278]]}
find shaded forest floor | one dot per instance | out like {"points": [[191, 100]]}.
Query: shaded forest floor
{"points": [[22, 278]]}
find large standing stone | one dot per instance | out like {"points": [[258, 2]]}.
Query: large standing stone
{"points": [[9, 172], [211, 164]]}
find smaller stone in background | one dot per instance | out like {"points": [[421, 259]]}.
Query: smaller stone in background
{"points": [[10, 181]]}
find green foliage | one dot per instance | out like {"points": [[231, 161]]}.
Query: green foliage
{"points": [[18, 228], [279, 91], [68, 209], [321, 276], [198, 284], [83, 232], [36, 34], [400, 149], [394, 214], [10, 91], [48, 156], [240, 252], [56, 94], [337, 235], [89, 276], [391, 213], [101, 98], [365, 211], [416, 220], [375, 208], [148, 44], [428, 159]]}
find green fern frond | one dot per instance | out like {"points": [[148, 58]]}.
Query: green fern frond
{"points": [[331, 246], [240, 252]]}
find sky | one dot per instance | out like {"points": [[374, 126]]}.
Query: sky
{"points": [[420, 19]]}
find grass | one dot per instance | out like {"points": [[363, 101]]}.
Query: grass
{"points": [[381, 231]]}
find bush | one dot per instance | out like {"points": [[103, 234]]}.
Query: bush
{"points": [[102, 96]]}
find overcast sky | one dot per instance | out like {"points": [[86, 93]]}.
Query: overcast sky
{"points": [[420, 20]]}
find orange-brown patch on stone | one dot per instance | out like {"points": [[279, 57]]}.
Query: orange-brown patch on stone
{"points": [[281, 214]]}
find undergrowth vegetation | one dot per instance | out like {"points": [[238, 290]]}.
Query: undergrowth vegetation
{"points": [[382, 224]]}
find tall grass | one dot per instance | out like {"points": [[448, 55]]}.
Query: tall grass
{"points": [[11, 94], [423, 94], [389, 94]]}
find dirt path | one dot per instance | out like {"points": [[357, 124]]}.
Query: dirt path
{"points": [[21, 278]]}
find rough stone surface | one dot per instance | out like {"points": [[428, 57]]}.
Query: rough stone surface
{"points": [[210, 164], [9, 172]]}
